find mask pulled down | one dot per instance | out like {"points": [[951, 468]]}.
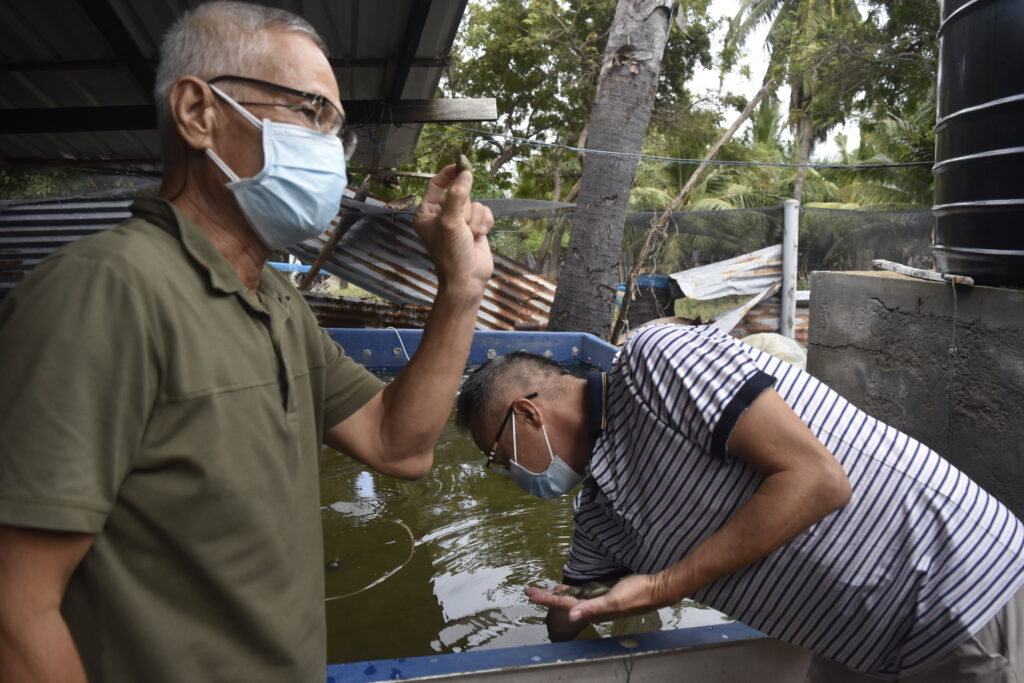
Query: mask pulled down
{"points": [[558, 479]]}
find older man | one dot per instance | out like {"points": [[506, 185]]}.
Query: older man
{"points": [[166, 392], [715, 470]]}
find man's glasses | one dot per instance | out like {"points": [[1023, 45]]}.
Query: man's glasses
{"points": [[491, 460], [317, 110]]}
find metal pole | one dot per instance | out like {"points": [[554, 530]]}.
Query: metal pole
{"points": [[790, 236]]}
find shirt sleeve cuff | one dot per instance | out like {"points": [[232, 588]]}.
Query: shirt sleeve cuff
{"points": [[51, 516], [366, 388], [750, 390]]}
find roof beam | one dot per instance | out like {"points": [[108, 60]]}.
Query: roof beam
{"points": [[421, 111], [414, 28], [111, 65], [109, 23], [143, 117], [78, 119], [39, 162]]}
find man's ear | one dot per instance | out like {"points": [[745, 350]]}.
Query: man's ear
{"points": [[527, 410], [192, 108]]}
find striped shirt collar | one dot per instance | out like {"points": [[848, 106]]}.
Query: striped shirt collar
{"points": [[597, 406]]}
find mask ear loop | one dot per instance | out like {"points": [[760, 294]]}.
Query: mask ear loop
{"points": [[232, 176], [515, 446], [551, 453], [248, 115]]}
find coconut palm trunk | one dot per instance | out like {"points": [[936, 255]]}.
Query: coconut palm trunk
{"points": [[622, 109]]}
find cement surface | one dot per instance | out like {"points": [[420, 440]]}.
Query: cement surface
{"points": [[884, 342]]}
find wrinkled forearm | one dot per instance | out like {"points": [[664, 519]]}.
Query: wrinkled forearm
{"points": [[418, 402], [784, 506]]}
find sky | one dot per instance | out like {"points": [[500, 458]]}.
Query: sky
{"points": [[709, 80]]}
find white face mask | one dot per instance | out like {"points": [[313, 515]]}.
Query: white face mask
{"points": [[555, 481], [298, 192]]}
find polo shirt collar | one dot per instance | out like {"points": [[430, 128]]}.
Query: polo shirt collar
{"points": [[221, 275], [597, 406]]}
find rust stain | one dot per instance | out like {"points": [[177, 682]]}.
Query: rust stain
{"points": [[384, 256]]}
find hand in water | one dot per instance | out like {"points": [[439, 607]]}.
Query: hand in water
{"points": [[633, 594], [454, 230]]}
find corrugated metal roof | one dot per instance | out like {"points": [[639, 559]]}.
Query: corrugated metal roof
{"points": [[764, 317], [60, 54], [746, 274], [346, 311], [29, 232], [380, 253]]}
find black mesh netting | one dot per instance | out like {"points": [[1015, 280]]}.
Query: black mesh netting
{"points": [[830, 239]]}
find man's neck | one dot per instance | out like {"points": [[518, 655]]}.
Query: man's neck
{"points": [[577, 415], [224, 224]]}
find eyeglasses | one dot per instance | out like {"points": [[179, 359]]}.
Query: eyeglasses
{"points": [[491, 461], [318, 111]]}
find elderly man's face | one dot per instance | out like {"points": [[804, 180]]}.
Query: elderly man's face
{"points": [[292, 60]]}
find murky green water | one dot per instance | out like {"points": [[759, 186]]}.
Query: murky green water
{"points": [[470, 542]]}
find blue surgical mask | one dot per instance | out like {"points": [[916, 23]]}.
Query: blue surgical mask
{"points": [[556, 480], [298, 192]]}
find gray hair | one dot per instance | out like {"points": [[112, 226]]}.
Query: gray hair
{"points": [[217, 38]]}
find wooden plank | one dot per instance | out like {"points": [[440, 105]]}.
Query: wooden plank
{"points": [[422, 111], [143, 117], [921, 274]]}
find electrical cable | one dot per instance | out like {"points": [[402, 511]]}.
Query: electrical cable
{"points": [[664, 159], [387, 575]]}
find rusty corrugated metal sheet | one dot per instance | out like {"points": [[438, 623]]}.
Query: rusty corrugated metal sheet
{"points": [[382, 254], [764, 317], [30, 231], [344, 311], [747, 274]]}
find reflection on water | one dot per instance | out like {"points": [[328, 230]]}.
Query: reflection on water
{"points": [[455, 551]]}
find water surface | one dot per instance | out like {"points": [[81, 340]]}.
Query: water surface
{"points": [[455, 551]]}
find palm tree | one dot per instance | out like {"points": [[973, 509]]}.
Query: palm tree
{"points": [[808, 43]]}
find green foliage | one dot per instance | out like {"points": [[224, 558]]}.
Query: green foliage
{"points": [[62, 182], [539, 59]]}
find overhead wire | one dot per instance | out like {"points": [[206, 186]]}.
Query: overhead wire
{"points": [[478, 133]]}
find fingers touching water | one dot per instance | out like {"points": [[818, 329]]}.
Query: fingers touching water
{"points": [[631, 595]]}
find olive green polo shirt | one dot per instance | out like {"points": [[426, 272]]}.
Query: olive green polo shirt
{"points": [[149, 398]]}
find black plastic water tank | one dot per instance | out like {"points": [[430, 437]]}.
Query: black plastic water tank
{"points": [[979, 141]]}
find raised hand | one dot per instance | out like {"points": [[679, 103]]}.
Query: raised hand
{"points": [[454, 231]]}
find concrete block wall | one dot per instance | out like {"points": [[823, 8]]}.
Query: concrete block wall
{"points": [[883, 342]]}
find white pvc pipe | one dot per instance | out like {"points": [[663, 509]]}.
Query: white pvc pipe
{"points": [[790, 237]]}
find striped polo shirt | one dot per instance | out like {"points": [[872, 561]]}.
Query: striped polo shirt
{"points": [[920, 559]]}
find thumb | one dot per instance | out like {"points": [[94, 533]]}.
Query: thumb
{"points": [[586, 609]]}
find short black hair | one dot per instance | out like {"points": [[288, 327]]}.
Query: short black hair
{"points": [[479, 387]]}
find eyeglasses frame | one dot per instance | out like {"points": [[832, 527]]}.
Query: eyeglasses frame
{"points": [[315, 98], [491, 462]]}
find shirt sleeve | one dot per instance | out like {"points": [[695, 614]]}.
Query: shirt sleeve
{"points": [[349, 385], [695, 379], [80, 379]]}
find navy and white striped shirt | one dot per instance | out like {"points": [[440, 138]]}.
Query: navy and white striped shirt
{"points": [[920, 559]]}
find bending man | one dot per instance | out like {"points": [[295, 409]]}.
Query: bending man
{"points": [[714, 470]]}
